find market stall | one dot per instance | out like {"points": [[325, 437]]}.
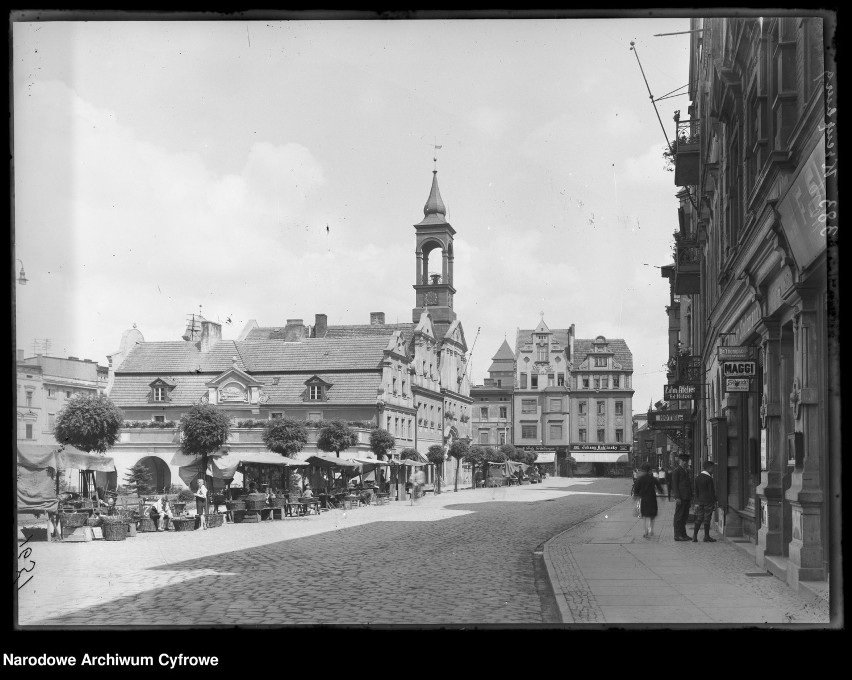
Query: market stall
{"points": [[335, 474]]}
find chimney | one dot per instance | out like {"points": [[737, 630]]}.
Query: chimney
{"points": [[74, 358], [377, 318], [20, 355], [211, 332], [294, 331], [320, 325]]}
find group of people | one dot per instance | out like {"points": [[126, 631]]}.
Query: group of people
{"points": [[685, 490]]}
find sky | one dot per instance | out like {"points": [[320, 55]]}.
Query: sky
{"points": [[272, 170]]}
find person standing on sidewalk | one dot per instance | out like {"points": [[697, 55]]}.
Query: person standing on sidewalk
{"points": [[705, 502], [682, 490], [201, 502], [668, 477], [646, 487]]}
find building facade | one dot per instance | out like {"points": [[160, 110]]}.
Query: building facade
{"points": [[756, 221], [540, 402], [408, 378], [602, 404], [491, 410]]}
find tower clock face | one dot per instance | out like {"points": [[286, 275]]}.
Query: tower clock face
{"points": [[431, 298]]}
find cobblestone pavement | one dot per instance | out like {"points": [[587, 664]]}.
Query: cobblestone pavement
{"points": [[603, 571], [456, 558]]}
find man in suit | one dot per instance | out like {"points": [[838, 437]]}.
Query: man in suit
{"points": [[705, 502], [682, 490]]}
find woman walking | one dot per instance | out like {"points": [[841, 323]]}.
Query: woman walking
{"points": [[645, 488]]}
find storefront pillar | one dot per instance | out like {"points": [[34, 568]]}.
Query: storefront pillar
{"points": [[806, 445], [770, 491]]}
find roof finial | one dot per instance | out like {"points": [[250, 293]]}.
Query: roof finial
{"points": [[435, 158]]}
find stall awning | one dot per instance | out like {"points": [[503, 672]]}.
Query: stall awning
{"points": [[600, 457], [328, 460], [39, 456], [545, 457], [408, 463]]}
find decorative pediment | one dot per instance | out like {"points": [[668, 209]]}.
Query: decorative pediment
{"points": [[316, 380], [234, 374], [163, 382]]}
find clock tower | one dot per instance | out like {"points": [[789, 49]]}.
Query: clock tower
{"points": [[434, 283]]}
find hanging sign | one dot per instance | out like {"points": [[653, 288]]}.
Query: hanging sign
{"points": [[739, 369], [737, 385], [737, 352], [679, 392]]}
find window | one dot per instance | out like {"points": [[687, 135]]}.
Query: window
{"points": [[550, 379], [600, 361], [51, 393], [615, 381], [503, 413], [159, 419], [523, 381], [556, 430], [600, 435], [597, 380], [317, 415], [582, 408], [555, 404], [502, 438], [601, 407], [393, 388], [585, 383], [528, 405], [619, 408], [403, 388], [483, 436], [483, 413], [542, 353], [619, 435], [582, 434], [315, 392], [560, 379], [159, 394], [29, 431], [277, 414], [51, 421], [67, 394], [388, 428], [534, 380], [529, 431], [29, 398], [499, 382]]}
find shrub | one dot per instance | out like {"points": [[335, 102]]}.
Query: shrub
{"points": [[89, 423], [285, 436], [185, 495]]}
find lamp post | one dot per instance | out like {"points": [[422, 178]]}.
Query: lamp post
{"points": [[22, 278]]}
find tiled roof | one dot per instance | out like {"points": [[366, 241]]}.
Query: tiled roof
{"points": [[504, 353], [177, 356], [370, 329], [130, 391], [620, 351]]}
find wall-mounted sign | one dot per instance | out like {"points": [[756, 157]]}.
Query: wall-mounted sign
{"points": [[622, 448], [737, 385], [739, 369], [763, 458], [738, 352], [670, 416], [679, 392]]}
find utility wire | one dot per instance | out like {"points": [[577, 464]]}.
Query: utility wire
{"points": [[651, 96]]}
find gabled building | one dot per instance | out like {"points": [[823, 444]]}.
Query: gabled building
{"points": [[407, 378], [491, 411]]}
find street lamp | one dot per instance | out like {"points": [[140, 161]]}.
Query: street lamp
{"points": [[22, 279]]}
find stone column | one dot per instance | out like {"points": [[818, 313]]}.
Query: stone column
{"points": [[805, 494], [770, 536], [445, 268], [419, 280], [450, 269]]}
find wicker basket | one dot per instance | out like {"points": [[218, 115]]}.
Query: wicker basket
{"points": [[146, 524], [114, 532], [213, 520], [183, 523], [235, 505], [239, 516], [74, 519], [255, 503], [178, 507], [93, 521], [280, 502]]}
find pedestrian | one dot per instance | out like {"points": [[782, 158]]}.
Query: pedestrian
{"points": [[201, 502], [705, 502], [682, 492], [645, 488], [669, 480]]}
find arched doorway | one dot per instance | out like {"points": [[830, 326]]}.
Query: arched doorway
{"points": [[160, 475]]}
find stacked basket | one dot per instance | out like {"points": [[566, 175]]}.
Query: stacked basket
{"points": [[213, 520], [74, 519], [255, 501], [183, 523], [114, 528]]}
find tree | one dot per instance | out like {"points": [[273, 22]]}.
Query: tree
{"points": [[138, 479], [475, 457], [381, 442], [435, 455], [337, 437], [89, 422], [409, 454], [285, 436], [204, 429], [458, 450], [512, 453]]}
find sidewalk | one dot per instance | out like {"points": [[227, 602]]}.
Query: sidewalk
{"points": [[604, 572]]}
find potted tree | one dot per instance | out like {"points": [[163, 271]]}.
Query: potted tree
{"points": [[435, 455], [336, 436], [204, 430], [286, 437], [458, 450]]}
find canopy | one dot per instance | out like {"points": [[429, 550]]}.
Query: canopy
{"points": [[37, 485], [370, 464], [409, 463], [601, 457], [513, 466], [327, 460], [224, 464]]}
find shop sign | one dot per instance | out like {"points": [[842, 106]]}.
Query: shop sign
{"points": [[670, 416], [803, 209], [737, 385], [739, 369], [764, 462], [619, 448], [679, 392], [734, 353]]}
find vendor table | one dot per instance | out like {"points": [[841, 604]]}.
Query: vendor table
{"points": [[308, 505]]}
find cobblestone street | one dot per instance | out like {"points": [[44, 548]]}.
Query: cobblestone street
{"points": [[456, 558]]}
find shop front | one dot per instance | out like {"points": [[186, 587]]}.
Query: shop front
{"points": [[602, 460]]}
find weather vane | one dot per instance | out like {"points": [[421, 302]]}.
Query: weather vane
{"points": [[435, 158]]}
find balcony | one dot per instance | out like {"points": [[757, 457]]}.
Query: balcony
{"points": [[687, 152], [687, 278]]}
